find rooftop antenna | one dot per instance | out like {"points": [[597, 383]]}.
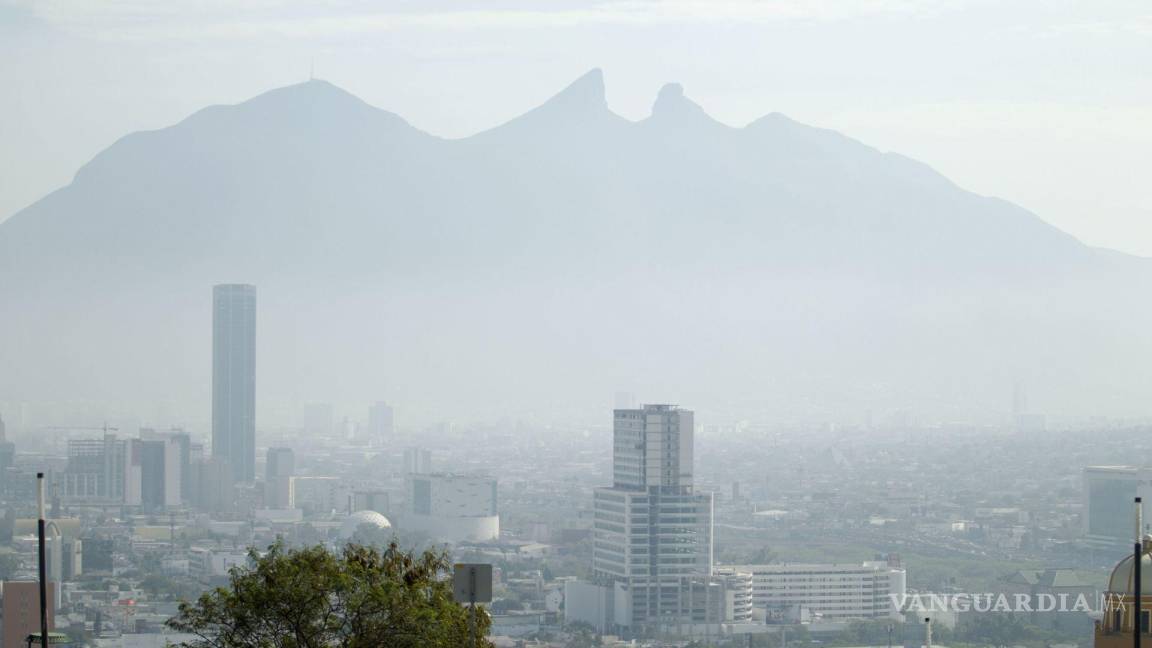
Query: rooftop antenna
{"points": [[312, 70]]}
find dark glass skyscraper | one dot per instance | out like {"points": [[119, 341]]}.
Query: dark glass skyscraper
{"points": [[234, 378]]}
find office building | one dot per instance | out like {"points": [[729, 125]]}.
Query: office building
{"points": [[184, 444], [97, 471], [381, 423], [833, 592], [212, 487], [161, 457], [234, 378], [372, 500], [21, 606], [279, 469], [1108, 496], [652, 534], [453, 508], [417, 461]]}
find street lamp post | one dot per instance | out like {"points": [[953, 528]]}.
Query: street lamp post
{"points": [[43, 565]]}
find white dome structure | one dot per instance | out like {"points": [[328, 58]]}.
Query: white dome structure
{"points": [[353, 522]]}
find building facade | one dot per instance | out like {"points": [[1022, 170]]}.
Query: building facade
{"points": [[21, 606], [652, 534], [97, 471], [834, 592], [1108, 495], [279, 468], [381, 424], [234, 378], [454, 508]]}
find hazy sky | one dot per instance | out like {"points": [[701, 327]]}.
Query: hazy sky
{"points": [[1047, 103]]}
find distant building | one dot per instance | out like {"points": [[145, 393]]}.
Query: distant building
{"points": [[279, 469], [363, 519], [234, 378], [212, 486], [64, 558], [652, 533], [453, 508], [835, 592], [97, 471], [736, 594], [417, 461], [161, 459], [208, 565], [1108, 496], [381, 423], [21, 606], [372, 500]]}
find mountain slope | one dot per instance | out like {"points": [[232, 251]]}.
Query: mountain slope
{"points": [[570, 251]]}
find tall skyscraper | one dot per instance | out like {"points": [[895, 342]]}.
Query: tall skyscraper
{"points": [[652, 533], [234, 378]]}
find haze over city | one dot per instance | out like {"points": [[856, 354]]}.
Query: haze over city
{"points": [[653, 323]]}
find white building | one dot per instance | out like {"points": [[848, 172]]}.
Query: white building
{"points": [[834, 591], [453, 508], [737, 594], [207, 563], [652, 534], [1109, 492]]}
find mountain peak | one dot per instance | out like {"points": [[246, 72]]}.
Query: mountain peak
{"points": [[671, 103], [582, 100], [584, 94]]}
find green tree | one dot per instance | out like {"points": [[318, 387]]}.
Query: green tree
{"points": [[313, 598]]}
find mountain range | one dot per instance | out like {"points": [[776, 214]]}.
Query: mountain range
{"points": [[775, 271]]}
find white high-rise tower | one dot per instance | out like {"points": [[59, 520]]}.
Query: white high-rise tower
{"points": [[652, 534]]}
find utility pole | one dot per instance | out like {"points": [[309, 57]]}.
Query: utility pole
{"points": [[472, 607], [43, 566], [1137, 559]]}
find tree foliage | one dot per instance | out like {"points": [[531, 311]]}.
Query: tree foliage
{"points": [[313, 598]]}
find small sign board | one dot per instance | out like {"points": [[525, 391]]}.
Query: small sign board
{"points": [[472, 583]]}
